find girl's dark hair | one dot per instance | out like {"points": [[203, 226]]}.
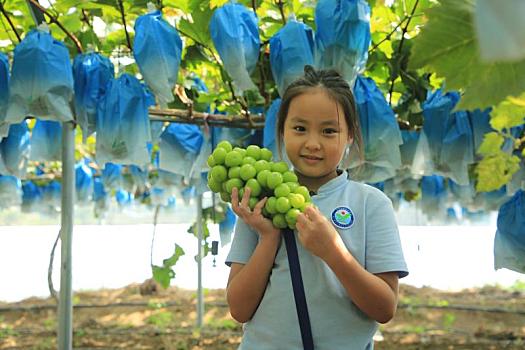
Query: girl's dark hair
{"points": [[336, 87]]}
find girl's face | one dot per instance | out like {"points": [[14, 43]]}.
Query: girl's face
{"points": [[315, 137]]}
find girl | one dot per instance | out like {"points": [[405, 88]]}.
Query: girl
{"points": [[349, 248]]}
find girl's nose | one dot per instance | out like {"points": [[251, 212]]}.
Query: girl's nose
{"points": [[312, 143]]}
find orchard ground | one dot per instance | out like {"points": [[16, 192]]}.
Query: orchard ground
{"points": [[481, 319]]}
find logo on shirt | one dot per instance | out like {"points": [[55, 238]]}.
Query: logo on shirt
{"points": [[342, 217]]}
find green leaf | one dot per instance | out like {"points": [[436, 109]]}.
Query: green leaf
{"points": [[491, 144], [508, 113], [447, 46], [495, 170], [172, 260], [163, 275]]}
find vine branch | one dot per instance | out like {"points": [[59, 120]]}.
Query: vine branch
{"points": [[280, 5], [123, 16], [4, 12], [405, 29], [53, 19]]}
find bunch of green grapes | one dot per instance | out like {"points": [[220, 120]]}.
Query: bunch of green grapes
{"points": [[253, 167]]}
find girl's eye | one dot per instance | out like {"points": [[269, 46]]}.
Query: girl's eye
{"points": [[299, 128], [330, 131]]}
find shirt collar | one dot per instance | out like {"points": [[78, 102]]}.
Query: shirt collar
{"points": [[333, 184]]}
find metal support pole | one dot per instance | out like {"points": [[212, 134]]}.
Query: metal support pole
{"points": [[65, 305], [200, 298]]}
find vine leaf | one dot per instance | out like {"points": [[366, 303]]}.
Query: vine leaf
{"points": [[448, 46], [163, 274], [509, 113]]}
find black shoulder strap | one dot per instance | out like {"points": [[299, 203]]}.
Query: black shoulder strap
{"points": [[298, 289]]}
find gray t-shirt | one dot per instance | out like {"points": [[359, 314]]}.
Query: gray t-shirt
{"points": [[365, 219]]}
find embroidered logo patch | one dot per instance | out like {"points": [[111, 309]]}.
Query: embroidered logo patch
{"points": [[342, 217]]}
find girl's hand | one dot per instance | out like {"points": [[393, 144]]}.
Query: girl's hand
{"points": [[316, 233], [263, 226]]}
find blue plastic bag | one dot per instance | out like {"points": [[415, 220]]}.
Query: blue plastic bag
{"points": [[100, 198], [123, 198], [123, 128], [111, 176], [291, 48], [381, 135], [342, 36], [4, 93], [433, 196], [227, 226], [509, 244], [83, 182], [457, 152], [480, 121], [10, 191], [51, 197], [46, 141], [31, 197], [41, 80], [157, 50], [140, 178], [447, 137], [180, 145], [92, 73], [270, 124], [15, 149], [235, 34]]}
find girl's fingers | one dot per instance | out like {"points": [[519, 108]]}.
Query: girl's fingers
{"points": [[246, 198], [235, 200], [258, 207]]}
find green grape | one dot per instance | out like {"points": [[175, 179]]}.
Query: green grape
{"points": [[282, 190], [274, 179], [282, 205], [233, 158], [270, 205], [234, 172], [279, 221], [219, 173], [225, 144], [247, 172], [219, 155], [266, 154], [253, 151], [255, 187]]}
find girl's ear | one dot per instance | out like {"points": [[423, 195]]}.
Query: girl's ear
{"points": [[350, 140]]}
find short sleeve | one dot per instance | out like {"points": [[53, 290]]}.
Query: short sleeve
{"points": [[243, 244], [384, 252]]}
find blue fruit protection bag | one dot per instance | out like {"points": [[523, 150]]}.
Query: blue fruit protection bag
{"points": [[14, 150], [291, 48], [83, 182], [180, 145], [509, 242], [227, 226], [92, 73], [123, 128], [111, 176], [10, 191], [381, 135], [31, 197], [235, 34], [46, 141], [157, 50], [342, 36], [450, 137], [41, 79], [4, 93], [270, 123]]}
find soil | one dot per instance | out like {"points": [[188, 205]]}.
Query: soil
{"points": [[481, 319]]}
